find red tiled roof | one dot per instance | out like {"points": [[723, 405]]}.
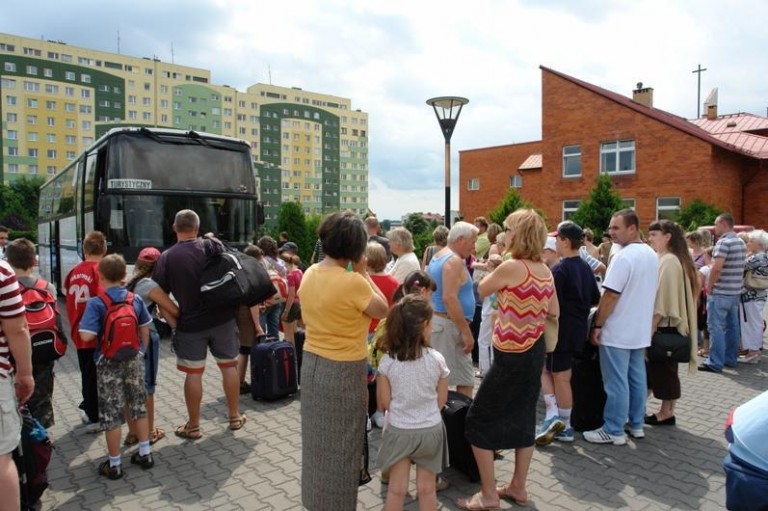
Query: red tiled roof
{"points": [[667, 118], [732, 123]]}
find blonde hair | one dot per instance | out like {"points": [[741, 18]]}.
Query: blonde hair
{"points": [[376, 255], [528, 234]]}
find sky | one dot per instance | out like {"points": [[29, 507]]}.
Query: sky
{"points": [[389, 57]]}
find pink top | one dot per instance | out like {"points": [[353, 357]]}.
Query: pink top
{"points": [[294, 281]]}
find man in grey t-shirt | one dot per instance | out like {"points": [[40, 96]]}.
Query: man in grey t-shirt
{"points": [[724, 291]]}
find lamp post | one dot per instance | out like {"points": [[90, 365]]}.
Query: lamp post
{"points": [[447, 110]]}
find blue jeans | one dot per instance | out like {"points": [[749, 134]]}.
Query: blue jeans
{"points": [[724, 330], [270, 320], [624, 381]]}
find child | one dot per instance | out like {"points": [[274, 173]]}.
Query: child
{"points": [[153, 297], [81, 284], [120, 382], [21, 256], [291, 308], [412, 386], [249, 327], [701, 310], [419, 283]]}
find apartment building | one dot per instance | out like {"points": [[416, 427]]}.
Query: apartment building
{"points": [[57, 99]]}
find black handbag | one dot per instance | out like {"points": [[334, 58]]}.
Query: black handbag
{"points": [[668, 345]]}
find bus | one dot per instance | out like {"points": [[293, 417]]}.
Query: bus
{"points": [[131, 182]]}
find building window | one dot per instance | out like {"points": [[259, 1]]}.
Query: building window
{"points": [[32, 70], [628, 203], [13, 135], [569, 208], [13, 168], [31, 103], [13, 151], [85, 78], [32, 169], [473, 184], [516, 181], [48, 72], [667, 207], [10, 67], [32, 153], [617, 157], [69, 75], [571, 161]]}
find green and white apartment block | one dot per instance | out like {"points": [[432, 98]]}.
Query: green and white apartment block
{"points": [[57, 99]]}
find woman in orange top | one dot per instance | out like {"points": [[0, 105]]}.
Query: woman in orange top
{"points": [[338, 301], [503, 414]]}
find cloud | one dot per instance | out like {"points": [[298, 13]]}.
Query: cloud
{"points": [[389, 57]]}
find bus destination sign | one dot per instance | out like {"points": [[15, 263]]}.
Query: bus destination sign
{"points": [[132, 184]]}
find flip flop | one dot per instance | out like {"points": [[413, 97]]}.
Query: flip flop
{"points": [[475, 503], [236, 423], [130, 440], [156, 435], [503, 492], [187, 432]]}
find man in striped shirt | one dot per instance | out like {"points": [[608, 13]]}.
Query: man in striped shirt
{"points": [[724, 291], [14, 340]]}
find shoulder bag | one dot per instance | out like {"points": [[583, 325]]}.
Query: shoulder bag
{"points": [[667, 344]]}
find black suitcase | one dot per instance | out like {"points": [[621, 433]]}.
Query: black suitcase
{"points": [[588, 393], [273, 370], [459, 450]]}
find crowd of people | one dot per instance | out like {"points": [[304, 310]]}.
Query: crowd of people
{"points": [[523, 295]]}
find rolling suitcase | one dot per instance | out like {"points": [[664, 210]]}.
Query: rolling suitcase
{"points": [[273, 370], [459, 450], [588, 394]]}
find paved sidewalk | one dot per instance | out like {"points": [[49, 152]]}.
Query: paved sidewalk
{"points": [[259, 467]]}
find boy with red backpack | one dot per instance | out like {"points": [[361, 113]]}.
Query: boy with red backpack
{"points": [[118, 321], [45, 327]]}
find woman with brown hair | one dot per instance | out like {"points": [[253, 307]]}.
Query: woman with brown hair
{"points": [[675, 309], [503, 414]]}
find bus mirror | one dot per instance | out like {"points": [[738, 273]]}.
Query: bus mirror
{"points": [[103, 209], [259, 213]]}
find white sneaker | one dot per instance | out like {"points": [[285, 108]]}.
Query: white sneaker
{"points": [[378, 419], [368, 425], [83, 416], [93, 427], [599, 436], [635, 432]]}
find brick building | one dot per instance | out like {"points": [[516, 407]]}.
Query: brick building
{"points": [[658, 162]]}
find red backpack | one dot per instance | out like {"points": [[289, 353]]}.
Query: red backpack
{"points": [[120, 338], [48, 342]]}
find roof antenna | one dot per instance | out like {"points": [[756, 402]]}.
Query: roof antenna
{"points": [[269, 68], [173, 61], [118, 40]]}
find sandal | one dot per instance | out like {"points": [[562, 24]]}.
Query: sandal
{"points": [[503, 492], [156, 435], [130, 440], [236, 423], [188, 432], [475, 503]]}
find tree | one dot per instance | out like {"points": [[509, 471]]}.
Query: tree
{"points": [[415, 223], [596, 211], [511, 203], [291, 219], [696, 214]]}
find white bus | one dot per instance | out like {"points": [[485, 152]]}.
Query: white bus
{"points": [[131, 182]]}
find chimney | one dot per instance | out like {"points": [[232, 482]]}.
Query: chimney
{"points": [[644, 96], [711, 112]]}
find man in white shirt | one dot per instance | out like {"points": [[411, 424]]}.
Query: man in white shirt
{"points": [[622, 331]]}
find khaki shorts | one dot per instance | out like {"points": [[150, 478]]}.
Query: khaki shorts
{"points": [[10, 420], [192, 347], [446, 338]]}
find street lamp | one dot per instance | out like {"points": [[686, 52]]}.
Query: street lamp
{"points": [[447, 110]]}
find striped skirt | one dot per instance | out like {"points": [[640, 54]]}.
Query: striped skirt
{"points": [[333, 412]]}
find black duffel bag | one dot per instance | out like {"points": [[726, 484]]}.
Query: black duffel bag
{"points": [[231, 278], [668, 345]]}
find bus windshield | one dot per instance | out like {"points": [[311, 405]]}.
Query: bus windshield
{"points": [[138, 221], [179, 163]]}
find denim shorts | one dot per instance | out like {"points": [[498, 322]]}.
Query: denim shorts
{"points": [[192, 347]]}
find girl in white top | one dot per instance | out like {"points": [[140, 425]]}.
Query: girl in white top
{"points": [[412, 386]]}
